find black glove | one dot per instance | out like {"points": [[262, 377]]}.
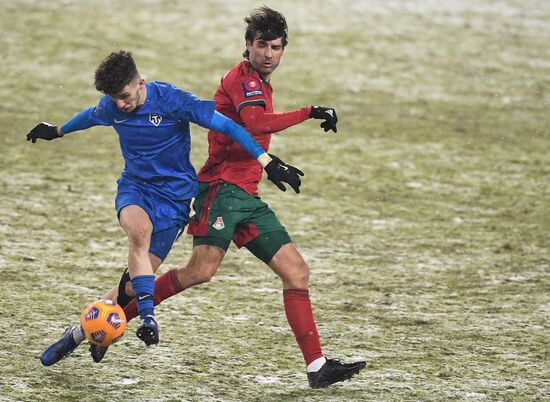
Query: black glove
{"points": [[279, 172], [44, 131], [327, 114]]}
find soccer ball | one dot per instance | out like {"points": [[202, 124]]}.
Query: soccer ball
{"points": [[103, 322]]}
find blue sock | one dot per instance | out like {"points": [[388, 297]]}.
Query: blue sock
{"points": [[144, 288]]}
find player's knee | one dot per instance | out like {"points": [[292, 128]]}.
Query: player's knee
{"points": [[139, 237], [297, 277], [301, 273], [201, 273], [207, 271], [198, 277]]}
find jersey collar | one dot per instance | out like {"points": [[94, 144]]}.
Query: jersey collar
{"points": [[251, 69]]}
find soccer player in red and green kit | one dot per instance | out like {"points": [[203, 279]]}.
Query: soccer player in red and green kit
{"points": [[228, 207]]}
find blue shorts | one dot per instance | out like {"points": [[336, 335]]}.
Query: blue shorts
{"points": [[162, 241], [168, 216]]}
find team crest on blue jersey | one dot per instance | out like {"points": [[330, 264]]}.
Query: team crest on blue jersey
{"points": [[155, 118], [252, 88]]}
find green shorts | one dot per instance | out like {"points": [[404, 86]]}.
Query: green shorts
{"points": [[224, 212]]}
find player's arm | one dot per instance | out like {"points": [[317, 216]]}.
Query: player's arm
{"points": [[46, 131], [258, 121], [276, 170]]}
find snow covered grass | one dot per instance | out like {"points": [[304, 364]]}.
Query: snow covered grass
{"points": [[425, 219]]}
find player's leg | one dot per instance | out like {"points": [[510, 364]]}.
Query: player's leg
{"points": [[290, 266], [98, 352], [74, 336], [217, 212], [175, 218], [294, 272], [265, 237], [202, 266], [138, 227], [161, 244], [273, 245], [128, 294], [276, 250]]}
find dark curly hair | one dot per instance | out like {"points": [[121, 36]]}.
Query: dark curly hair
{"points": [[267, 24], [115, 72]]}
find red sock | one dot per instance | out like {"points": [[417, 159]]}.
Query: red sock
{"points": [[300, 318], [166, 286]]}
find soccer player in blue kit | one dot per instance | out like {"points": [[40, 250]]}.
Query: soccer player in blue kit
{"points": [[158, 181]]}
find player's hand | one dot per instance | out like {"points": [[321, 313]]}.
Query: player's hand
{"points": [[327, 114], [279, 172], [43, 131]]}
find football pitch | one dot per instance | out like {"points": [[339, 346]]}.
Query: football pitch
{"points": [[425, 219]]}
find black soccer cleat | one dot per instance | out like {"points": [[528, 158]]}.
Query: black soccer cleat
{"points": [[333, 371], [148, 331], [97, 352]]}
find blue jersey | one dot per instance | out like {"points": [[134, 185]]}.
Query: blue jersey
{"points": [[155, 139]]}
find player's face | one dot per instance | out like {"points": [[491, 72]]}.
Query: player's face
{"points": [[265, 55], [131, 96]]}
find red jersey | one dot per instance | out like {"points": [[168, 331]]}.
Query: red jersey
{"points": [[244, 97]]}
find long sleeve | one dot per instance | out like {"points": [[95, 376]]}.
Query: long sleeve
{"points": [[81, 121], [260, 122], [224, 125]]}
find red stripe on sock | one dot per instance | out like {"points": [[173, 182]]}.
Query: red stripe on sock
{"points": [[300, 318], [297, 292]]}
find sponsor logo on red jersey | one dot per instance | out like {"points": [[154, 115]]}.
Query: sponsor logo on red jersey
{"points": [[251, 88]]}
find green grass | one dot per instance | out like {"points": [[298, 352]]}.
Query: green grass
{"points": [[425, 220]]}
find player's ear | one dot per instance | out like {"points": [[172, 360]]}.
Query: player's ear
{"points": [[141, 82], [249, 46]]}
